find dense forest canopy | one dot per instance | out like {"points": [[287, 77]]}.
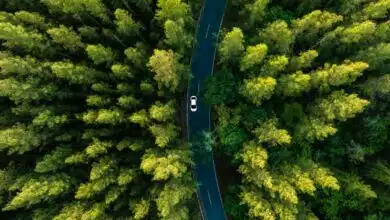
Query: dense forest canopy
{"points": [[89, 119], [91, 109], [302, 109]]}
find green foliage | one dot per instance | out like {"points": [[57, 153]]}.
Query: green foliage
{"points": [[90, 90], [168, 71], [19, 139], [376, 56], [121, 71], [48, 119], [232, 45], [256, 11], [312, 129], [176, 35], [78, 7], [274, 65], [54, 160], [136, 55], [376, 10], [253, 56], [381, 172], [254, 156], [40, 189], [100, 54], [97, 147], [141, 117], [221, 87], [163, 133], [327, 63], [170, 199], [314, 23], [96, 100], [79, 107], [163, 166], [357, 32], [141, 209], [32, 18], [126, 176], [339, 106], [269, 133], [66, 37], [277, 36], [125, 24], [304, 60], [294, 84], [231, 138], [18, 36], [171, 10], [162, 112], [378, 85], [77, 74], [336, 75], [258, 89]]}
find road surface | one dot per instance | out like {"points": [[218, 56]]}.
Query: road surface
{"points": [[202, 63]]}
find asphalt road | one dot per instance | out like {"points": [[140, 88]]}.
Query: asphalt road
{"points": [[202, 64]]}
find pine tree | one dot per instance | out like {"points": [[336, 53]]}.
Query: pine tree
{"points": [[258, 89], [232, 46], [277, 36], [168, 71]]}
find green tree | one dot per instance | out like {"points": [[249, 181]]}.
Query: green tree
{"points": [[258, 89], [314, 23], [172, 163], [141, 117], [304, 60], [339, 106], [54, 160], [66, 37], [336, 75], [176, 36], [232, 45], [136, 55], [171, 10], [100, 54], [77, 74], [254, 56], [256, 11], [294, 84], [376, 10], [18, 36], [78, 7], [162, 112], [168, 71], [381, 172], [164, 133], [376, 56], [269, 133], [221, 87], [274, 66], [125, 24], [40, 189], [312, 129], [277, 36]]}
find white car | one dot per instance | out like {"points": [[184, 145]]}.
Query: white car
{"points": [[193, 103]]}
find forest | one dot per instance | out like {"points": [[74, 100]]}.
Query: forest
{"points": [[92, 124], [301, 95]]}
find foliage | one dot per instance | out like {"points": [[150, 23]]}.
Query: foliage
{"points": [[307, 137], [89, 94]]}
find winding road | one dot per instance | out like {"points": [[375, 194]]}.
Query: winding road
{"points": [[202, 63]]}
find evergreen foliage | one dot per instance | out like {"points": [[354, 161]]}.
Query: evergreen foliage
{"points": [[88, 102]]}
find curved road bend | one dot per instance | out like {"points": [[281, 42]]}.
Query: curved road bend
{"points": [[202, 63]]}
